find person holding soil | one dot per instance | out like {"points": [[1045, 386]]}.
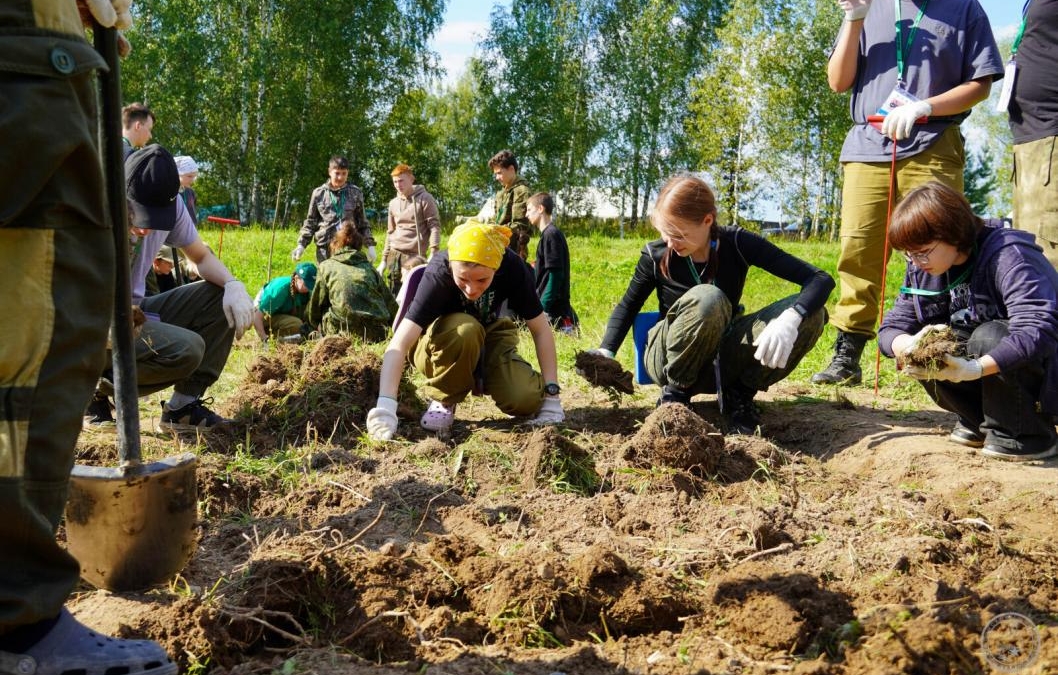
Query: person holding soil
{"points": [[350, 297], [996, 290], [704, 341], [458, 340], [279, 308]]}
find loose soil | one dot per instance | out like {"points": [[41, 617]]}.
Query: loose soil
{"points": [[854, 538]]}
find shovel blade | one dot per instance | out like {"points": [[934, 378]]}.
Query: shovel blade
{"points": [[132, 528]]}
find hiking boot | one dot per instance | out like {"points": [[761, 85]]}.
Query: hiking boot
{"points": [[194, 416], [71, 647], [673, 394], [740, 412], [964, 434], [1016, 454], [844, 368], [99, 413]]}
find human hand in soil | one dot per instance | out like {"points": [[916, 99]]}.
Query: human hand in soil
{"points": [[550, 412], [955, 369], [905, 344], [382, 419], [776, 341]]}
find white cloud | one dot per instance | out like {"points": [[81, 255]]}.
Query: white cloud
{"points": [[456, 42]]}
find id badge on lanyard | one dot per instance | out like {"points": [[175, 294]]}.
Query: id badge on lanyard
{"points": [[1010, 73]]}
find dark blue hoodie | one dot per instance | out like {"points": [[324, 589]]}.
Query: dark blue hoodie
{"points": [[1010, 279]]}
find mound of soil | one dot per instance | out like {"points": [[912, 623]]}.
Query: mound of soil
{"points": [[853, 540], [604, 372]]}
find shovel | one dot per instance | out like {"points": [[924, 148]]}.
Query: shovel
{"points": [[130, 527]]}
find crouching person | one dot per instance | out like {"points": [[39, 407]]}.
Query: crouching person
{"points": [[456, 338], [350, 297], [995, 289], [279, 309]]}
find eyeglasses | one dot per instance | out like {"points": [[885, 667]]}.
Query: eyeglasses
{"points": [[921, 257]]}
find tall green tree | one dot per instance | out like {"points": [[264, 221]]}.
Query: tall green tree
{"points": [[263, 91]]}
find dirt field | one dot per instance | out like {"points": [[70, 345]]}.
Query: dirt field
{"points": [[854, 539]]}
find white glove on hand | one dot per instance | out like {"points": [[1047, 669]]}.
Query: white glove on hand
{"points": [[238, 307], [899, 122], [956, 369], [912, 343], [381, 269], [601, 351], [382, 419], [295, 255], [550, 413], [854, 9], [371, 254], [776, 341], [111, 13]]}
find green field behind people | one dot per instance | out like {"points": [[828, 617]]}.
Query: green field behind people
{"points": [[601, 266]]}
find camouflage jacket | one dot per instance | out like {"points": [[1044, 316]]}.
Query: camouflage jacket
{"points": [[350, 297], [510, 205], [327, 209]]}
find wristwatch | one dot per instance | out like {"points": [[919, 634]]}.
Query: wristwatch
{"points": [[552, 389]]}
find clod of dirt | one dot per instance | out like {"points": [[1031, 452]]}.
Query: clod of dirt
{"points": [[604, 372], [552, 459], [674, 436], [930, 351]]}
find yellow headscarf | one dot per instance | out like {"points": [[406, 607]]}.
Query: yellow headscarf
{"points": [[480, 243]]}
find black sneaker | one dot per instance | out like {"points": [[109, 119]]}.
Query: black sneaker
{"points": [[99, 413], [194, 416], [966, 435], [1016, 455], [740, 412], [672, 394]]}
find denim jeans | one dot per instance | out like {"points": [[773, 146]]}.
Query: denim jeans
{"points": [[1003, 406]]}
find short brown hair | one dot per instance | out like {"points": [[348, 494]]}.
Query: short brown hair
{"points": [[544, 201], [401, 169], [503, 159], [135, 112], [933, 212], [338, 162]]}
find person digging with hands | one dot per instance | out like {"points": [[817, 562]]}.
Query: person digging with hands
{"points": [[922, 66], [996, 291], [455, 337], [704, 342], [57, 247]]}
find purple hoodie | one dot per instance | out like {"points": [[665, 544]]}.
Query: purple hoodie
{"points": [[1011, 279]]}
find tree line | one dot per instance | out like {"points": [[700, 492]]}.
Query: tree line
{"points": [[613, 95]]}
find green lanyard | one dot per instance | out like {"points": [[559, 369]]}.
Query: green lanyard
{"points": [[1021, 30], [921, 291], [903, 50], [338, 203]]}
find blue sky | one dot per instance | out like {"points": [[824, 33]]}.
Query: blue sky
{"points": [[467, 21]]}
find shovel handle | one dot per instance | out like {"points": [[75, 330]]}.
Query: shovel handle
{"points": [[125, 394]]}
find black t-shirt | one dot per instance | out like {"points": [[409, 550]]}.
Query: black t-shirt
{"points": [[552, 267], [438, 295], [1034, 106]]}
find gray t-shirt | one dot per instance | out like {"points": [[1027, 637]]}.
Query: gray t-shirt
{"points": [[146, 248], [953, 45]]}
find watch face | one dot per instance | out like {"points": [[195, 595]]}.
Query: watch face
{"points": [[552, 389]]}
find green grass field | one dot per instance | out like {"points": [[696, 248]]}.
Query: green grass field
{"points": [[601, 268]]}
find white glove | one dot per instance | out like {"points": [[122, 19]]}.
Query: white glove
{"points": [[601, 351], [382, 419], [910, 344], [295, 255], [955, 369], [371, 254], [550, 412], [900, 120], [381, 269], [111, 13], [854, 9], [238, 307], [776, 341]]}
